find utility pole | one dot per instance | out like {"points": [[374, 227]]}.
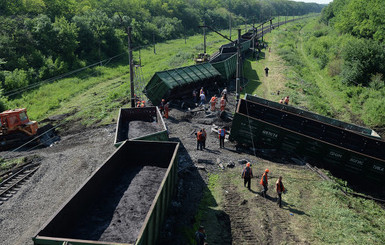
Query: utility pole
{"points": [[131, 67], [153, 41], [253, 39], [204, 37], [230, 23], [185, 39], [238, 71], [271, 23], [130, 60]]}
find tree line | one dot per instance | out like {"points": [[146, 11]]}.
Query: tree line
{"points": [[40, 39], [364, 53]]}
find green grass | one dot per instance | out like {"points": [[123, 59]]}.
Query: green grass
{"points": [[207, 210], [8, 164], [94, 97]]}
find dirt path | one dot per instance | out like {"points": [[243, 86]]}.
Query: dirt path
{"points": [[242, 230]]}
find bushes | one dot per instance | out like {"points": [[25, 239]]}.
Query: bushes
{"points": [[363, 58]]}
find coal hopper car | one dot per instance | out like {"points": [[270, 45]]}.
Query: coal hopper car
{"points": [[124, 201], [341, 147]]}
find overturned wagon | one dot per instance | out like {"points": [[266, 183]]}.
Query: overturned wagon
{"points": [[180, 82], [336, 145], [140, 124], [123, 202]]}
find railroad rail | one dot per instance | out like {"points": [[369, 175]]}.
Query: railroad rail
{"points": [[12, 184]]}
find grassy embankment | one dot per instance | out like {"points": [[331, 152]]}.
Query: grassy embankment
{"points": [[95, 96], [305, 63], [321, 214], [313, 210]]}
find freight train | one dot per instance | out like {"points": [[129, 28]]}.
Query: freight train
{"points": [[179, 82], [86, 218]]}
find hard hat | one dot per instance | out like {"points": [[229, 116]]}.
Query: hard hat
{"points": [[248, 164], [267, 170], [143, 101]]}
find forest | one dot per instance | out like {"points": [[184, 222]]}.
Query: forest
{"points": [[40, 39], [348, 44]]}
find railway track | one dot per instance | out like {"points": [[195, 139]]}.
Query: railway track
{"points": [[10, 185]]}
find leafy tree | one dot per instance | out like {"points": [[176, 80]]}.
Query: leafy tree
{"points": [[66, 39], [15, 79], [362, 59]]}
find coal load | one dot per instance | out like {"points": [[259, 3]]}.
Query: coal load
{"points": [[119, 213], [141, 128]]}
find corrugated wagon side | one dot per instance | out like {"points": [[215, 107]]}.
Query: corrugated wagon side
{"points": [[80, 221], [145, 114], [262, 126]]}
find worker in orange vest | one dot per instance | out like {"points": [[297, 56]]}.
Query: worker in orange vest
{"points": [[222, 103], [143, 104], [247, 174], [286, 101], [199, 140], [280, 189], [166, 109], [138, 103], [213, 102], [264, 183]]}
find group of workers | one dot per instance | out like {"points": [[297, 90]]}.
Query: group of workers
{"points": [[201, 139], [201, 136], [213, 101], [139, 102], [247, 174], [284, 100], [164, 108]]}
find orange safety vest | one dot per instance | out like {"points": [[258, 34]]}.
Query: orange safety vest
{"points": [[280, 187], [213, 99], [286, 100], [223, 102], [262, 179], [199, 136]]}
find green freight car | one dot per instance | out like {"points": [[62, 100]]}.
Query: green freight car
{"points": [[115, 198], [335, 145], [180, 82], [148, 115]]}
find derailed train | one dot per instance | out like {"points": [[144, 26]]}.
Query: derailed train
{"points": [[257, 123], [86, 216], [179, 82], [344, 148]]}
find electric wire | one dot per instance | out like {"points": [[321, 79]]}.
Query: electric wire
{"points": [[31, 86], [100, 62]]}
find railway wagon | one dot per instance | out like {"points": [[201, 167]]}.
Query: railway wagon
{"points": [[179, 82], [156, 129], [340, 149], [123, 202]]}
